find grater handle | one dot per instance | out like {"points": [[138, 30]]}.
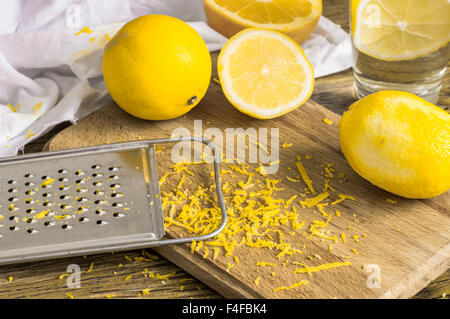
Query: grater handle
{"points": [[223, 209]]}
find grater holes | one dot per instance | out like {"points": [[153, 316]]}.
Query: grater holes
{"points": [[83, 219], [118, 215], [113, 177], [30, 192], [29, 201], [11, 182], [13, 218], [28, 175], [99, 192], [66, 227], [12, 190], [116, 195], [31, 231], [95, 166], [62, 171], [30, 211], [14, 228], [63, 179], [47, 204], [49, 224], [79, 173], [100, 202], [82, 210], [97, 183], [114, 186], [101, 222], [97, 174], [113, 169], [81, 199], [13, 199], [100, 212], [27, 184], [29, 220], [64, 197]]}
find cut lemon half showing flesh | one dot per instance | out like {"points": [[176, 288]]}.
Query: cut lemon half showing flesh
{"points": [[296, 18], [401, 29], [264, 73]]}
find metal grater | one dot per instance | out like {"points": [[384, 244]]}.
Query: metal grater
{"points": [[84, 201]]}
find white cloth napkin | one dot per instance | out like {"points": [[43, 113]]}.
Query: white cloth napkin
{"points": [[51, 73]]}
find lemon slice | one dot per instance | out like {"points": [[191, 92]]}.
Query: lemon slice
{"points": [[401, 29], [296, 18], [264, 73]]}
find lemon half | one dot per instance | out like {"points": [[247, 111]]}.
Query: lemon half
{"points": [[296, 18], [264, 73]]}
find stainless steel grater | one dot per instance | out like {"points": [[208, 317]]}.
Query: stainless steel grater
{"points": [[84, 201]]}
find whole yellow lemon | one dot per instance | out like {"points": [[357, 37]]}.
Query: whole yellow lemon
{"points": [[398, 142], [157, 67]]}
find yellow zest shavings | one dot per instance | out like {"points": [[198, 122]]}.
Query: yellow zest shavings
{"points": [[107, 37], [391, 201], [84, 30], [343, 197], [327, 121], [146, 292], [110, 296], [286, 145], [91, 266], [91, 40], [216, 80], [327, 266], [127, 258], [205, 255], [295, 285], [261, 170], [344, 240], [37, 106], [47, 182], [12, 108], [30, 134], [257, 280], [62, 276], [311, 202], [301, 169], [10, 279], [355, 251], [317, 227], [338, 213], [355, 238], [68, 294], [128, 277], [229, 266]]}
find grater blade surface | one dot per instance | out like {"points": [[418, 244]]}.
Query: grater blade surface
{"points": [[79, 202]]}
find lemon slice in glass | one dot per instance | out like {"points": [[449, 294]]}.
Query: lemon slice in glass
{"points": [[401, 29]]}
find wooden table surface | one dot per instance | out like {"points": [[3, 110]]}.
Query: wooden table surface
{"points": [[121, 275]]}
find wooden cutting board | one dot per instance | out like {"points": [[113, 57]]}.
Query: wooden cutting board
{"points": [[408, 241]]}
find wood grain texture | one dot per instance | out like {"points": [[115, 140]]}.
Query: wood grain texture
{"points": [[40, 280]]}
